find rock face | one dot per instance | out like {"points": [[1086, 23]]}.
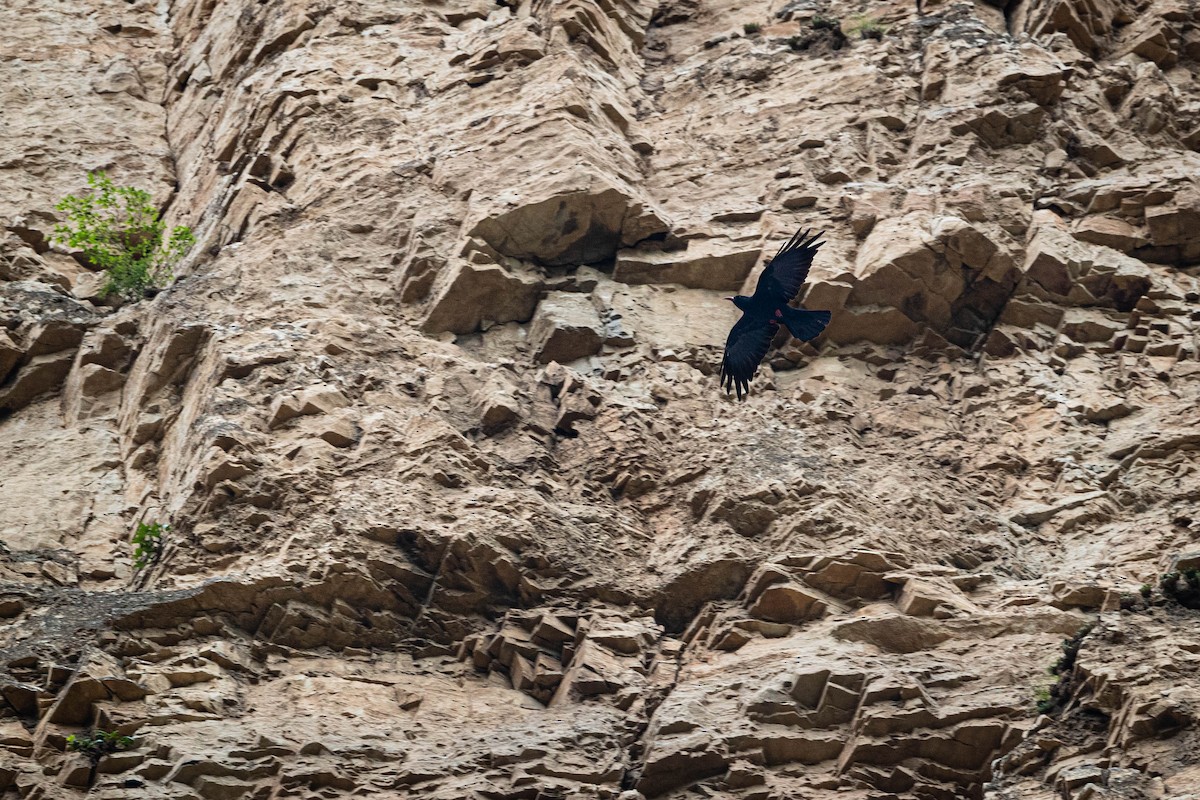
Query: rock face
{"points": [[448, 502], [566, 327]]}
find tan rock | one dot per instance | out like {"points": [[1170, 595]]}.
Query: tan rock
{"points": [[922, 597], [565, 327], [40, 374], [316, 399], [352, 175], [788, 602], [1092, 325], [896, 634], [704, 264], [1110, 232], [472, 293], [581, 220]]}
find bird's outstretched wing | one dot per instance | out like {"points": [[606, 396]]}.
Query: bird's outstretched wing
{"points": [[744, 349], [787, 271]]}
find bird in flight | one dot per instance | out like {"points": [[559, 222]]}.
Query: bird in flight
{"points": [[767, 308]]}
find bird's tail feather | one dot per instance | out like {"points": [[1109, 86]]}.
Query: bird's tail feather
{"points": [[805, 324]]}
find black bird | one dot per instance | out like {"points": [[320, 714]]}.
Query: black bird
{"points": [[762, 312]]}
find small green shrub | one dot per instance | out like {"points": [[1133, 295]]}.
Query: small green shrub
{"points": [[819, 23], [147, 541], [1070, 648], [1051, 698], [751, 28], [119, 231], [868, 28], [1146, 590], [97, 744]]}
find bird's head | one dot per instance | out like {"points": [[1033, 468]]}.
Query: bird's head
{"points": [[739, 301]]}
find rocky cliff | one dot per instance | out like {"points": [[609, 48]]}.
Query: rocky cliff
{"points": [[456, 508]]}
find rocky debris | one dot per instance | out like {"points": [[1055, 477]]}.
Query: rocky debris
{"points": [[1075, 274], [560, 659]]}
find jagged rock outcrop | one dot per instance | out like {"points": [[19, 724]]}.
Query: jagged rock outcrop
{"points": [[453, 505]]}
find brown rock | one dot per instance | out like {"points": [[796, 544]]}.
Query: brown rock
{"points": [[10, 354], [896, 634], [40, 374], [339, 432], [669, 768], [52, 336], [1110, 232], [705, 264], [581, 220], [316, 399], [1092, 325], [472, 293], [790, 603], [565, 327]]}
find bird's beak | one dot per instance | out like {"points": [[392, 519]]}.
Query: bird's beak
{"points": [[730, 299]]}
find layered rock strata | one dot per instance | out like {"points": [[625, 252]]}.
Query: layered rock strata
{"points": [[456, 508]]}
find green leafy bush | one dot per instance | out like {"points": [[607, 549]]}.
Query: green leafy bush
{"points": [[97, 744], [819, 23], [751, 28], [147, 540], [119, 231]]}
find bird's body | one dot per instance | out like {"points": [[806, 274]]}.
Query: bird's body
{"points": [[765, 310]]}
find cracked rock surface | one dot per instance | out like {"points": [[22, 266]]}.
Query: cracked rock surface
{"points": [[456, 508]]}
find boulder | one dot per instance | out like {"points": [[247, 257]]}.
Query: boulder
{"points": [[789, 602], [565, 327], [473, 293]]}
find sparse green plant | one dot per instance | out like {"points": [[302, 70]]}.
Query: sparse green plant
{"points": [[819, 22], [119, 230], [1045, 703], [147, 542], [1146, 590], [1050, 698], [1070, 648], [751, 28], [97, 744], [867, 28]]}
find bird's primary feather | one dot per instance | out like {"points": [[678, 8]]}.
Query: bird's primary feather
{"points": [[748, 342], [767, 308], [787, 271]]}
